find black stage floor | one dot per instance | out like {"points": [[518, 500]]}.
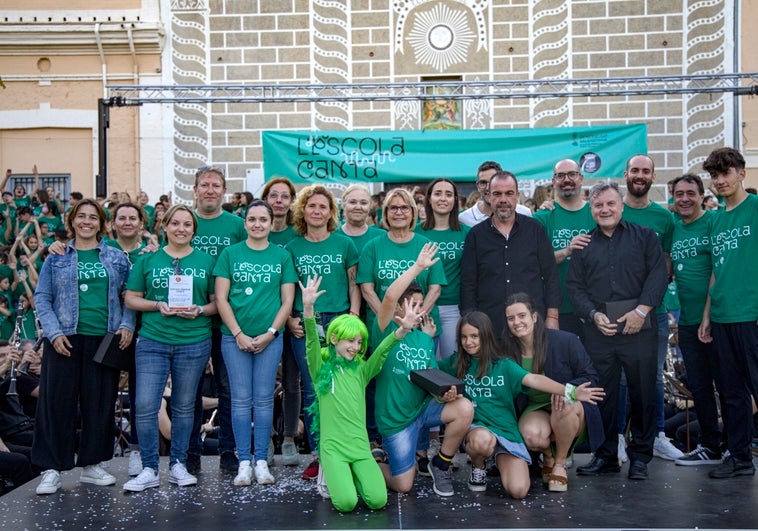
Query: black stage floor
{"points": [[674, 497]]}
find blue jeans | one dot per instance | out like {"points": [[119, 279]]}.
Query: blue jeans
{"points": [[402, 446], [155, 361], [252, 378]]}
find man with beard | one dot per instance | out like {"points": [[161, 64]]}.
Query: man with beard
{"points": [[638, 208], [505, 255], [482, 209], [567, 225]]}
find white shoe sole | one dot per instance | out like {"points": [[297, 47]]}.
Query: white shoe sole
{"points": [[104, 482], [183, 482], [143, 486]]}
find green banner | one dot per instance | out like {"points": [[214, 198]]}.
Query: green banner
{"points": [[406, 156]]}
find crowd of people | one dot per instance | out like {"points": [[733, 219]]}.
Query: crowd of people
{"points": [[555, 316]]}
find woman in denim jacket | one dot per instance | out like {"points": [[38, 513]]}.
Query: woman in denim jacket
{"points": [[78, 300]]}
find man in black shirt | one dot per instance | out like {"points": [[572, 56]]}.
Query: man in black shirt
{"points": [[623, 264], [507, 254]]}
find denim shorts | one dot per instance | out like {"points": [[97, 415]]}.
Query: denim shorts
{"points": [[504, 446], [401, 447]]}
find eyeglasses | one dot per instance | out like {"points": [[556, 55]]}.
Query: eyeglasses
{"points": [[562, 176], [274, 196], [399, 208], [481, 183], [177, 269]]}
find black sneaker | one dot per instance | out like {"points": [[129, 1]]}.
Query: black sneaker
{"points": [[699, 456], [193, 464], [422, 464], [477, 480], [229, 462], [733, 467]]}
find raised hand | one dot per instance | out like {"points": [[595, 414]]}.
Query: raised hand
{"points": [[426, 257], [413, 314], [311, 292]]}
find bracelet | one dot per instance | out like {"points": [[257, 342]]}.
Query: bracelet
{"points": [[237, 331], [551, 317], [157, 306], [640, 313], [569, 394]]}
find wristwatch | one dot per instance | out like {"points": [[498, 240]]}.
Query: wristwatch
{"points": [[274, 332], [592, 315], [200, 310]]}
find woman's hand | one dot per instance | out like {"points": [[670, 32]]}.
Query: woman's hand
{"points": [[61, 344], [126, 338], [295, 326], [591, 395], [450, 395], [57, 248]]}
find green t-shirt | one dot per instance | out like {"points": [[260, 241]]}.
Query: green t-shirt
{"points": [[535, 396], [92, 278], [7, 325], [450, 243], [132, 255], [150, 276], [657, 218], [330, 258], [22, 201], [255, 280], [53, 222], [361, 241], [383, 260], [562, 226], [492, 395], [283, 237], [214, 235], [691, 260], [734, 251], [671, 297], [399, 401]]}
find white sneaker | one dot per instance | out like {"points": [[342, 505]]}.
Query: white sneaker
{"points": [[135, 463], [262, 475], [180, 477], [50, 483], [663, 448], [244, 475], [147, 479], [96, 475], [623, 458], [321, 484]]}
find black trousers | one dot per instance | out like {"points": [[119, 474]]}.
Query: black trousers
{"points": [[737, 346], [702, 364], [638, 355], [16, 467], [68, 384]]}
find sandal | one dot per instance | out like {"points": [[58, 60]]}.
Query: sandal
{"points": [[546, 471], [558, 483]]}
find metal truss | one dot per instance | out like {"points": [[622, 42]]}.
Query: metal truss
{"points": [[742, 84]]}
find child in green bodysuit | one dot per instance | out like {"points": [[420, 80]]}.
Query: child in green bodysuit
{"points": [[340, 376]]}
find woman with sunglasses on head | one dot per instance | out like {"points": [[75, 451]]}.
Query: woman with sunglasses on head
{"points": [[255, 288], [78, 301], [173, 289], [442, 227]]}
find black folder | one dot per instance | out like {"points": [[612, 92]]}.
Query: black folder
{"points": [[615, 309], [109, 354], [435, 381]]}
